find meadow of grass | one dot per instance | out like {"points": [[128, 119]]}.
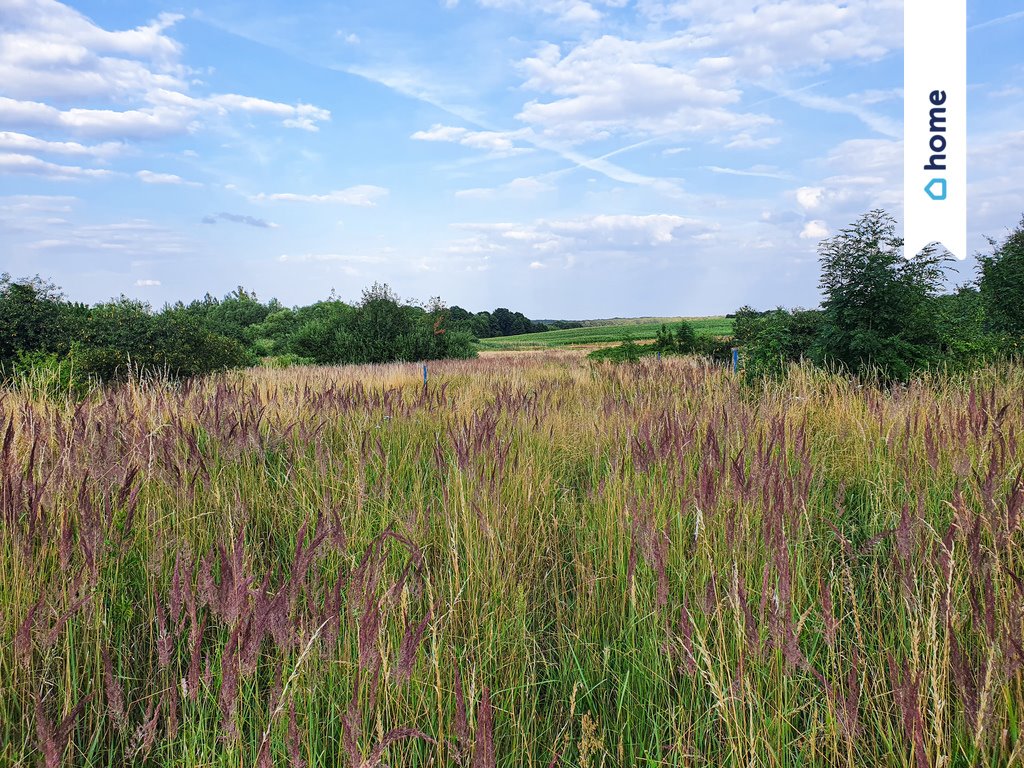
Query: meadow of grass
{"points": [[538, 561], [603, 334]]}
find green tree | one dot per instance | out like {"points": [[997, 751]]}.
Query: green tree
{"points": [[685, 338], [183, 346], [237, 314], [664, 341], [271, 337], [768, 343], [321, 332], [35, 317], [877, 305], [960, 323], [1001, 282], [117, 338], [628, 350], [745, 324], [380, 327]]}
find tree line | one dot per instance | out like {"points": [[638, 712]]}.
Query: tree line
{"points": [[881, 315], [889, 317], [41, 327]]}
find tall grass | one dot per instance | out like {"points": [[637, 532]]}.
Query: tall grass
{"points": [[537, 561]]}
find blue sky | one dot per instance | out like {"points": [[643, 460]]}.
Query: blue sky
{"points": [[564, 158]]}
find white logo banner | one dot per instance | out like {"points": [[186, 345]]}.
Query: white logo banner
{"points": [[935, 125]]}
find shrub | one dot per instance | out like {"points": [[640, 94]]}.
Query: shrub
{"points": [[772, 340], [685, 338], [1001, 282], [48, 376], [717, 349]]}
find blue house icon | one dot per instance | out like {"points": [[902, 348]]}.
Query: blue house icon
{"points": [[936, 189]]}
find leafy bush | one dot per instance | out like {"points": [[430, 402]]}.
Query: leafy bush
{"points": [[46, 375], [626, 352], [772, 340], [715, 348], [35, 317], [685, 338], [1001, 282], [185, 347], [665, 341]]}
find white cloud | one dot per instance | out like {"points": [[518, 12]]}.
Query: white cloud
{"points": [[146, 283], [810, 198], [760, 171], [304, 116], [238, 218], [34, 166], [37, 203], [22, 143], [853, 105], [601, 233], [526, 188], [746, 141], [98, 123], [768, 38], [624, 230], [474, 245], [150, 177], [569, 11], [685, 75], [133, 81], [814, 230], [52, 51], [362, 195], [136, 237], [497, 143], [354, 258], [858, 175], [647, 88]]}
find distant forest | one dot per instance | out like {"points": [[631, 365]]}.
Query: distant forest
{"points": [[40, 326]]}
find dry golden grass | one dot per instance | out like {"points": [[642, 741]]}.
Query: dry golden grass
{"points": [[538, 561]]}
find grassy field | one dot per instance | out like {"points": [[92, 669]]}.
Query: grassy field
{"points": [[537, 562], [605, 334]]}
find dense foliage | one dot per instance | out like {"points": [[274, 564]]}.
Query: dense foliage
{"points": [[1001, 282], [886, 316], [489, 325], [40, 328]]}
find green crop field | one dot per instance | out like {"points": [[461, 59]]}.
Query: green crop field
{"points": [[605, 334]]}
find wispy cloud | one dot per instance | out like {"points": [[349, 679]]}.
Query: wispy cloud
{"points": [[151, 177], [239, 218], [756, 171], [30, 165], [23, 143], [361, 195], [1019, 15], [497, 143]]}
